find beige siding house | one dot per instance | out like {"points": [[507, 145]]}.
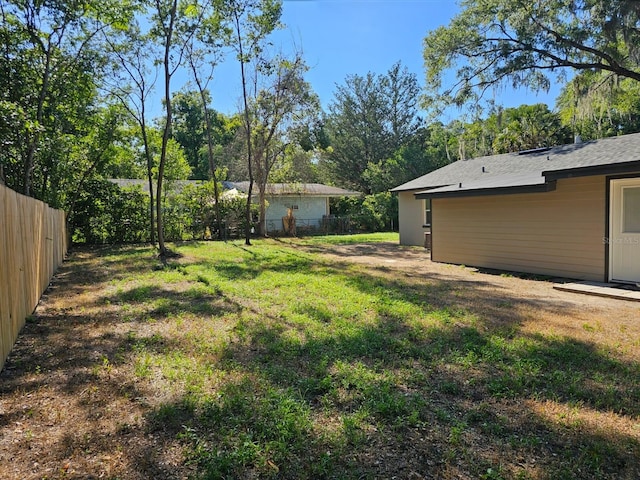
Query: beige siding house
{"points": [[571, 211]]}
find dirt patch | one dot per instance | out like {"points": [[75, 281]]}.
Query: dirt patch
{"points": [[585, 317]]}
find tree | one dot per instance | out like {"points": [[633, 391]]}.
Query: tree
{"points": [[49, 64], [370, 118], [424, 152], [599, 104], [295, 166], [174, 23], [527, 127], [97, 149], [522, 43], [357, 131], [189, 129], [134, 77], [248, 24], [504, 130], [286, 100], [204, 52]]}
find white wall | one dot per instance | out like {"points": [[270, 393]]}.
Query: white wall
{"points": [[411, 219], [309, 212]]}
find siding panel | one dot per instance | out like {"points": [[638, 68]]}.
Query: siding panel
{"points": [[556, 233], [411, 219]]}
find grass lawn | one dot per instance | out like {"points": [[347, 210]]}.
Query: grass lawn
{"points": [[275, 361]]}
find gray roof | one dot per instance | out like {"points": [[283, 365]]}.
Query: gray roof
{"points": [[308, 189], [493, 182], [528, 168], [297, 189]]}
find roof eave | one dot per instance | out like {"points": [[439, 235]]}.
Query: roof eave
{"points": [[482, 192], [605, 169], [424, 187]]}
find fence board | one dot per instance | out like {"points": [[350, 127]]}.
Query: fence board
{"points": [[5, 318], [33, 243]]}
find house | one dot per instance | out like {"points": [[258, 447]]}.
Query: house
{"points": [[308, 202], [570, 211]]}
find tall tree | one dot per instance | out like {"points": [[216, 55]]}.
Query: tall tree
{"points": [[248, 24], [370, 118], [174, 23], [49, 64], [133, 81], [521, 43], [189, 128], [424, 152], [286, 100], [204, 52]]}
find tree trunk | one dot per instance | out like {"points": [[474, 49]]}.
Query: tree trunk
{"points": [[262, 226], [147, 154], [247, 121], [167, 130]]}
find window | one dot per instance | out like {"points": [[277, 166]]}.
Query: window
{"points": [[427, 212], [631, 207]]}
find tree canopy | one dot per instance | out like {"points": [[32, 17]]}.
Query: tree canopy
{"points": [[371, 117], [525, 43], [77, 78]]}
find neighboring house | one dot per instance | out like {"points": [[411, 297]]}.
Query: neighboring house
{"points": [[570, 211], [309, 202]]}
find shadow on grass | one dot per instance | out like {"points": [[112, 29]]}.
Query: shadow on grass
{"points": [[160, 302], [461, 394], [394, 407], [458, 398], [453, 399]]}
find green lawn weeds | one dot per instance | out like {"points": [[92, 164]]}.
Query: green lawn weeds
{"points": [[273, 361]]}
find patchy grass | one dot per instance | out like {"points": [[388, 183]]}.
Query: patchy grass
{"points": [[273, 361], [349, 239]]}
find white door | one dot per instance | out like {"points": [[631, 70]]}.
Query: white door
{"points": [[624, 235]]}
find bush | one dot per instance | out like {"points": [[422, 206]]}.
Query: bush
{"points": [[103, 213], [370, 213]]}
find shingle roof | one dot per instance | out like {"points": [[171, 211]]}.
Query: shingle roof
{"points": [[311, 189], [512, 169], [493, 182]]}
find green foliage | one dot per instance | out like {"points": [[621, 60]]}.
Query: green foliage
{"points": [[51, 64], [526, 127], [189, 130], [106, 214], [424, 152], [295, 166], [233, 214], [520, 43], [598, 104], [371, 118], [505, 130], [369, 213]]}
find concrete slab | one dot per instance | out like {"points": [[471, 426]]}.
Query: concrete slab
{"points": [[609, 290]]}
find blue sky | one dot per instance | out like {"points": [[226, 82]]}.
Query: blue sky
{"points": [[344, 37]]}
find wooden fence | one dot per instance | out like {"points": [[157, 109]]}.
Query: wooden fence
{"points": [[33, 243]]}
